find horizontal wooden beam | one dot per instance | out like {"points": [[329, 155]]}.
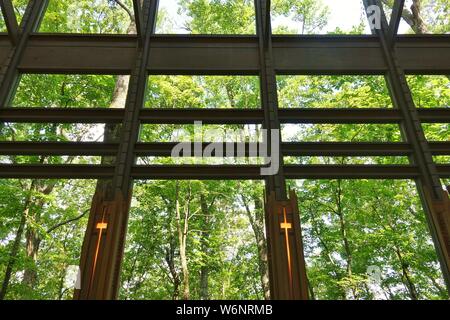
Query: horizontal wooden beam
{"points": [[196, 54], [164, 149], [218, 116], [211, 172]]}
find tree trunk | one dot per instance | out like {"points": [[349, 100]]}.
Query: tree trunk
{"points": [[257, 223], [170, 260], [442, 290], [412, 17], [204, 242], [312, 296], [33, 239], [344, 235], [16, 245], [415, 18], [62, 278], [326, 253], [170, 250], [32, 247], [182, 227], [262, 247], [409, 284]]}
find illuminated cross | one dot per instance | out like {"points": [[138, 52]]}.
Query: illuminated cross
{"points": [[100, 226], [286, 226]]}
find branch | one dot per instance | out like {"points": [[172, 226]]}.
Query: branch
{"points": [[212, 203], [124, 7], [67, 221], [412, 16]]}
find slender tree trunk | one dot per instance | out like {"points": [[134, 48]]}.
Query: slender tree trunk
{"points": [[442, 290], [62, 277], [170, 252], [409, 284], [182, 227], [414, 19], [387, 291], [344, 235], [33, 217], [312, 296], [16, 245], [326, 252], [204, 243], [262, 246], [257, 223], [170, 260]]}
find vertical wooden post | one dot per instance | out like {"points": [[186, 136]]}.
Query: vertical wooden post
{"points": [[103, 248], [104, 241], [440, 216], [287, 272], [287, 269]]}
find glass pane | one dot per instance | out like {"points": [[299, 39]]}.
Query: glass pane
{"points": [[382, 160], [65, 91], [360, 238], [212, 92], [89, 16], [437, 131], [222, 250], [341, 132], [19, 8], [430, 91], [2, 24], [75, 132], [319, 17], [206, 17], [333, 92], [200, 132], [56, 213]]}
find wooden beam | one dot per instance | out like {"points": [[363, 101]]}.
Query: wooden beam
{"points": [[212, 172], [396, 16], [139, 19], [287, 268], [331, 54], [10, 20]]}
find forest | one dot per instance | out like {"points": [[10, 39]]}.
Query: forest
{"points": [[206, 239]]}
